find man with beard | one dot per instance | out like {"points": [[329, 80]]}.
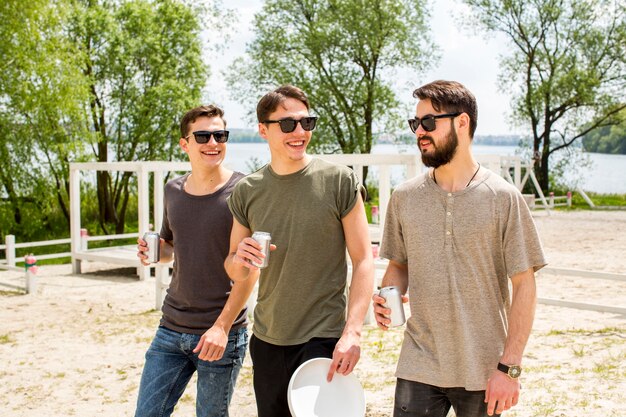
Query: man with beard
{"points": [[456, 237]]}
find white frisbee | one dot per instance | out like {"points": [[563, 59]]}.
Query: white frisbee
{"points": [[310, 395]]}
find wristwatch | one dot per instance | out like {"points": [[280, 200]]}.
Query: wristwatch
{"points": [[513, 371]]}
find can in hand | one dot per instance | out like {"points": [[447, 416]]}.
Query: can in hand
{"points": [[153, 242], [264, 239], [393, 301]]}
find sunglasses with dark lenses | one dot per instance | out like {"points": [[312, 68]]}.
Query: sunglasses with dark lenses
{"points": [[203, 136], [428, 122], [289, 125]]}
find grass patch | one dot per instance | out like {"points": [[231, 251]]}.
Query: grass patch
{"points": [[5, 338], [579, 203], [586, 332], [11, 293]]}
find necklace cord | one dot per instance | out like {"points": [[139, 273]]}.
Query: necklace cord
{"points": [[468, 183]]}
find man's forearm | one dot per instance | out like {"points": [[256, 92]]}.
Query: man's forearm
{"points": [[521, 317], [166, 252], [238, 272], [239, 294], [361, 289], [396, 275]]}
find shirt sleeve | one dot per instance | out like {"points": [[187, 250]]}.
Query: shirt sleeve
{"points": [[236, 205], [350, 187], [521, 243], [393, 247]]}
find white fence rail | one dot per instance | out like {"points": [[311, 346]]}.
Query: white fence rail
{"points": [[511, 168]]}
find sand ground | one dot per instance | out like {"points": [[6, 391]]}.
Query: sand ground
{"points": [[76, 347]]}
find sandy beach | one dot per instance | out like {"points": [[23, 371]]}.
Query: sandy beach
{"points": [[76, 347]]}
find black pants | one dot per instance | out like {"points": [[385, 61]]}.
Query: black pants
{"points": [[414, 399], [273, 366]]}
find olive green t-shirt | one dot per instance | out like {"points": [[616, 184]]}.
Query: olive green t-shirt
{"points": [[302, 291], [461, 249]]}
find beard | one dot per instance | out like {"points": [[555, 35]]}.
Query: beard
{"points": [[443, 153]]}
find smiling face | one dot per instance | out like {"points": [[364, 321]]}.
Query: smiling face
{"points": [[205, 156], [288, 150], [439, 146]]}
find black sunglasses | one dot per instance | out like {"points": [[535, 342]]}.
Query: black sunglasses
{"points": [[289, 125], [428, 122], [203, 136]]}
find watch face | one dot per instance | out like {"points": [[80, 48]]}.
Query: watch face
{"points": [[514, 371]]}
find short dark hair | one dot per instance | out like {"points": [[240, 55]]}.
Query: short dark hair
{"points": [[450, 97], [194, 114], [270, 101]]}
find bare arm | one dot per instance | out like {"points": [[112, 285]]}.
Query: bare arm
{"points": [[213, 342], [397, 275], [348, 351], [243, 251], [502, 389]]}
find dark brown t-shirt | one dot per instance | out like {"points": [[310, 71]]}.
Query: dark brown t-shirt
{"points": [[199, 227]]}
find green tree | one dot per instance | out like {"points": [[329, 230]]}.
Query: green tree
{"points": [[342, 53], [566, 72], [41, 92], [608, 139], [143, 63]]}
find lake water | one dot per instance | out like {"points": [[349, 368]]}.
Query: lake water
{"points": [[606, 173]]}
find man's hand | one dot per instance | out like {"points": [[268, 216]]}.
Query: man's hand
{"points": [[381, 313], [142, 248], [502, 392], [345, 356], [212, 344], [249, 253]]}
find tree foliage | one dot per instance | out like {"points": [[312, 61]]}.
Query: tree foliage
{"points": [[342, 53], [41, 91], [566, 72], [92, 80], [607, 139], [143, 65]]}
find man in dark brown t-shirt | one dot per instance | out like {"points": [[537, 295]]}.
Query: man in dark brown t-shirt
{"points": [[203, 327]]}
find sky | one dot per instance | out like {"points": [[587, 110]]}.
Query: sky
{"points": [[465, 57]]}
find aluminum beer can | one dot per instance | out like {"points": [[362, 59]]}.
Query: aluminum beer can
{"points": [[264, 239], [393, 301], [154, 247]]}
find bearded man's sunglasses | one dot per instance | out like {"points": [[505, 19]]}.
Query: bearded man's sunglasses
{"points": [[203, 136], [289, 125], [429, 122]]}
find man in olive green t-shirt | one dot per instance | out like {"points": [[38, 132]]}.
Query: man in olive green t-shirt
{"points": [[314, 211]]}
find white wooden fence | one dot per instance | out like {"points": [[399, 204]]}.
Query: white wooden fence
{"points": [[509, 167]]}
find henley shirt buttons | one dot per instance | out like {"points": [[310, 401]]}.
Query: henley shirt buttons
{"points": [[448, 232], [449, 214], [449, 194]]}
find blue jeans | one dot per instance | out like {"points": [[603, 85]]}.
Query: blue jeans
{"points": [[414, 399], [170, 364]]}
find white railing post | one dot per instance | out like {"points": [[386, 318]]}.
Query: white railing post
{"points": [[143, 196], [384, 194], [30, 265], [411, 169], [75, 217], [84, 244], [161, 274], [9, 242], [517, 173], [158, 200], [31, 283]]}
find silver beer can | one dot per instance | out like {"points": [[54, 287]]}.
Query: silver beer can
{"points": [[393, 301], [153, 242], [264, 239]]}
